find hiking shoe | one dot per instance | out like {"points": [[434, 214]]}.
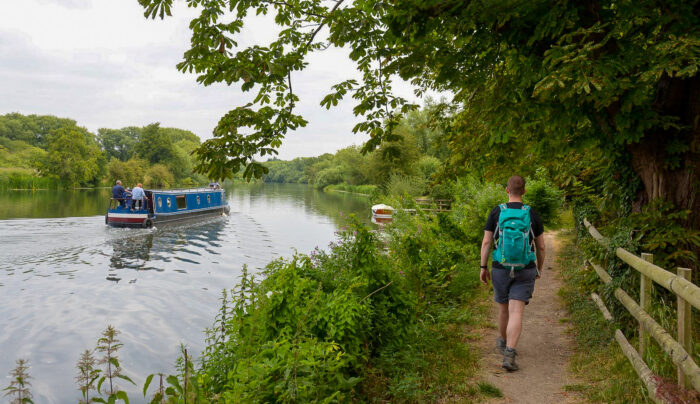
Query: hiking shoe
{"points": [[509, 360], [501, 345]]}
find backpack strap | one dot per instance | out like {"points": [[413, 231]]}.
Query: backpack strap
{"points": [[503, 207], [525, 207]]}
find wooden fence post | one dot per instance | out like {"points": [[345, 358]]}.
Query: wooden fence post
{"points": [[645, 289], [684, 326]]}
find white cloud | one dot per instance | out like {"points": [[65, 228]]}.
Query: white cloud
{"points": [[103, 64]]}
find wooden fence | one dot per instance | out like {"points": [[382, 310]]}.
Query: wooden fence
{"points": [[688, 296], [440, 204]]}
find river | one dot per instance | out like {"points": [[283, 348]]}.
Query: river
{"points": [[64, 275]]}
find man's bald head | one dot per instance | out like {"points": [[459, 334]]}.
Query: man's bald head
{"points": [[516, 185]]}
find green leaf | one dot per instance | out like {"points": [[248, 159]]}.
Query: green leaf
{"points": [[122, 396], [99, 384], [123, 377], [173, 380], [147, 383]]}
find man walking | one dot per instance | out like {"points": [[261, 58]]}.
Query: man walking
{"points": [[517, 261]]}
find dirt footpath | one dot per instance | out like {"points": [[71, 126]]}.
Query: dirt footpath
{"points": [[544, 347]]}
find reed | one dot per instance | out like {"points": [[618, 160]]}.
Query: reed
{"points": [[23, 178]]}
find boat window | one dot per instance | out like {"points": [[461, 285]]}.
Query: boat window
{"points": [[181, 202], [209, 198], [167, 200], [160, 202], [198, 200]]}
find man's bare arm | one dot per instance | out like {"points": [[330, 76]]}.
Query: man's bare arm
{"points": [[485, 251], [539, 251]]}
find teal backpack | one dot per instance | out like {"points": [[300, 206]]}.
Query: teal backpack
{"points": [[513, 249]]}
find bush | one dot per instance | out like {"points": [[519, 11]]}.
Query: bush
{"points": [[129, 172], [544, 197], [329, 176], [428, 165], [401, 185], [159, 176]]}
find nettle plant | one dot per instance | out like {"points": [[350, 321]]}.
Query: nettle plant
{"points": [[18, 390], [109, 345]]}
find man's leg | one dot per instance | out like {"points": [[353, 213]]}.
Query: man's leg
{"points": [[502, 319], [515, 322]]}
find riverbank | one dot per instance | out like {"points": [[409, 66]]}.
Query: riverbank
{"points": [[364, 190]]}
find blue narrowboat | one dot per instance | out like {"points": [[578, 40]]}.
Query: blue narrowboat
{"points": [[166, 206]]}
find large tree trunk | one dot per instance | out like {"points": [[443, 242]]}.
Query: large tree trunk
{"points": [[649, 157]]}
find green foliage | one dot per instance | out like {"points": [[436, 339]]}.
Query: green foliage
{"points": [[401, 185], [18, 390], [428, 165], [19, 154], [22, 178], [596, 354], [32, 129], [158, 176], [129, 172], [155, 146], [544, 197], [659, 229], [533, 84], [119, 143], [394, 160], [490, 390], [73, 156], [370, 190], [324, 327]]}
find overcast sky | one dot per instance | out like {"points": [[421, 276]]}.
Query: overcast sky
{"points": [[102, 63]]}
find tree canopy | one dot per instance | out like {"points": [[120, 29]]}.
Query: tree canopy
{"points": [[619, 74]]}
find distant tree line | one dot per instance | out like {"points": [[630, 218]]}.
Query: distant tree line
{"points": [[407, 162], [52, 148]]}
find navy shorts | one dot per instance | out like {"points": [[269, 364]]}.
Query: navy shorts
{"points": [[518, 288]]}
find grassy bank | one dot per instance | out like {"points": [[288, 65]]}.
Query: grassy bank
{"points": [[25, 178], [367, 190], [597, 354]]}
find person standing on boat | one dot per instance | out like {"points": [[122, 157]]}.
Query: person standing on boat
{"points": [[118, 193], [138, 195]]}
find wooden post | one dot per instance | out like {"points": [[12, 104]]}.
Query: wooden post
{"points": [[684, 329], [645, 289]]}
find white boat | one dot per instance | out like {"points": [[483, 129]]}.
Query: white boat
{"points": [[382, 213]]}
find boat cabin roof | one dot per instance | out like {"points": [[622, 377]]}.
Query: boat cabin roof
{"points": [[184, 190]]}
